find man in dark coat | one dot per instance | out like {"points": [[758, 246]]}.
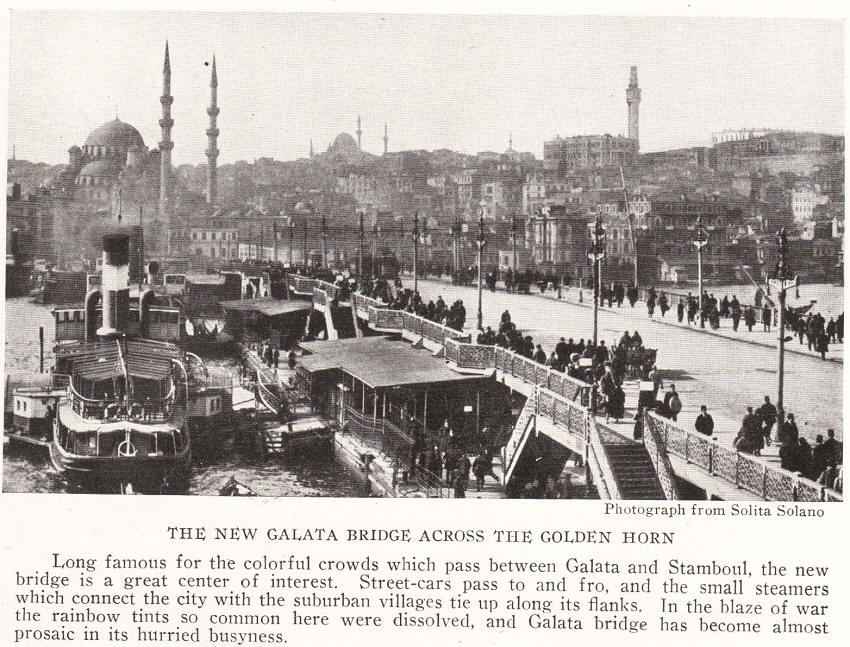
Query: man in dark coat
{"points": [[750, 318], [680, 310], [704, 423], [789, 433], [820, 458], [751, 427], [766, 316], [822, 343], [767, 416]]}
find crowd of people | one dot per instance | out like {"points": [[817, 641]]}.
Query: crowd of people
{"points": [[405, 299]]}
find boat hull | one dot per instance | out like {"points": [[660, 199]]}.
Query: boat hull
{"points": [[149, 473]]}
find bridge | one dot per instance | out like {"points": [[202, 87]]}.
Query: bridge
{"points": [[556, 420]]}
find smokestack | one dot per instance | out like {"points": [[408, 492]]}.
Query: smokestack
{"points": [[114, 285]]}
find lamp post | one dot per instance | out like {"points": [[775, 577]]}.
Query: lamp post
{"points": [[324, 240], [307, 212], [291, 239], [596, 254], [700, 242], [360, 215], [481, 242], [274, 234], [376, 231], [456, 240], [415, 252], [781, 281], [513, 241]]}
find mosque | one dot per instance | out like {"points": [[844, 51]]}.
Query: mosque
{"points": [[114, 174]]}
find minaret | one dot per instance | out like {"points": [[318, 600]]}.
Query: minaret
{"points": [[359, 132], [212, 136], [386, 139], [633, 101], [166, 144], [311, 149]]}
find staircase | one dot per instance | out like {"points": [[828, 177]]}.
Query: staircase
{"points": [[343, 322], [517, 444], [633, 470]]}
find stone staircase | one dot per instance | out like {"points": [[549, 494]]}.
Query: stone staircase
{"points": [[633, 470]]}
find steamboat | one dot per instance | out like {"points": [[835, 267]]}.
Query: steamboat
{"points": [[124, 416]]}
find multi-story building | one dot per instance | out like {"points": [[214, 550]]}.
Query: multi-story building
{"points": [[590, 151], [32, 216]]}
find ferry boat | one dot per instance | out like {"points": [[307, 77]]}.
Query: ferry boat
{"points": [[124, 416]]}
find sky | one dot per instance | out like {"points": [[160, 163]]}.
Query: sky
{"points": [[460, 82]]}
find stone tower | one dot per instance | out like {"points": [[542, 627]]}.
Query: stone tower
{"points": [[166, 144], [633, 102], [359, 133], [386, 139], [212, 136]]}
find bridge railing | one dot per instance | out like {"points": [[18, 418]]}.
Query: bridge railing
{"points": [[657, 450], [744, 471], [301, 284], [528, 370], [320, 296]]}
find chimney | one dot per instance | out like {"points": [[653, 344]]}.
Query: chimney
{"points": [[114, 285]]}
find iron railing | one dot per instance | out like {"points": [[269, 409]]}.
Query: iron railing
{"points": [[744, 471]]}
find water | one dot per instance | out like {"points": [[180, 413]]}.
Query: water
{"points": [[28, 469]]}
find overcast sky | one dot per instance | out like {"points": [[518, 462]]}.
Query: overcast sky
{"points": [[460, 82]]}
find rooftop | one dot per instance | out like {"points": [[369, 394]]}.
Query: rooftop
{"points": [[267, 306], [380, 362]]}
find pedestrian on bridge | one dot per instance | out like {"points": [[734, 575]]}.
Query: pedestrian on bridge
{"points": [[767, 416], [766, 317], [750, 318], [680, 310], [704, 423]]}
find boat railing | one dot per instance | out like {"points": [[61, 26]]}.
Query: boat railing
{"points": [[744, 471], [153, 409]]}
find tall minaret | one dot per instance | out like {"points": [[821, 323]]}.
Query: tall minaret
{"points": [[212, 136], [359, 132], [166, 144], [386, 139], [633, 101]]}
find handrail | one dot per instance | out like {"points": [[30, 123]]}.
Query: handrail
{"points": [[654, 444], [744, 471], [512, 449]]}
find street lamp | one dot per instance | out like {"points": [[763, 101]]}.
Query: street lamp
{"points": [[513, 241], [700, 242], [781, 281], [360, 214], [596, 254], [481, 242], [376, 231], [291, 238], [415, 251], [324, 240]]}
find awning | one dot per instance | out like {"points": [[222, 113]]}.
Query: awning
{"points": [[381, 362]]}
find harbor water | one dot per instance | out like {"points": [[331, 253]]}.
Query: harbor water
{"points": [[28, 469]]}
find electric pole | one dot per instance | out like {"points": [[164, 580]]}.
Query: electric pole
{"points": [[596, 254], [324, 240], [481, 242], [415, 252], [291, 239], [360, 248], [781, 281], [699, 243], [513, 241]]}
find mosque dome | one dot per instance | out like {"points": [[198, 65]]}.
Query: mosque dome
{"points": [[115, 135], [101, 168], [344, 142]]}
